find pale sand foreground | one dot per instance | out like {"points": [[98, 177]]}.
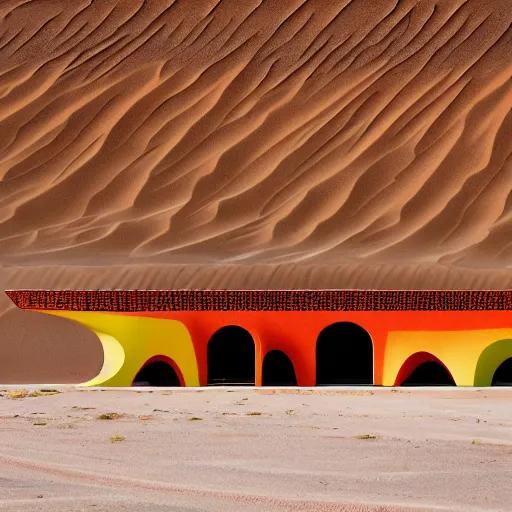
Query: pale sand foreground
{"points": [[434, 450]]}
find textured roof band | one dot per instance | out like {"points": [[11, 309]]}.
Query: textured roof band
{"points": [[263, 300]]}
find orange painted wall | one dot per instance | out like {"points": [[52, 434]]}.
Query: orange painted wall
{"points": [[296, 333]]}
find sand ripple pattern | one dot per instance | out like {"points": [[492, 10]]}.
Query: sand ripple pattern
{"points": [[256, 131]]}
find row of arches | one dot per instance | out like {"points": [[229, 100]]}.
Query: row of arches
{"points": [[344, 356]]}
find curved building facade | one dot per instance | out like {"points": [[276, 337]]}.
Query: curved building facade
{"points": [[291, 337]]}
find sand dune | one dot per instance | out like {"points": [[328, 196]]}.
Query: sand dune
{"points": [[258, 132], [275, 143]]}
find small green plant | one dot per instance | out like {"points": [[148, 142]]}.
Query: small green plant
{"points": [[39, 424], [254, 413], [117, 439], [476, 442], [49, 391], [195, 418], [366, 436], [109, 416], [289, 411]]}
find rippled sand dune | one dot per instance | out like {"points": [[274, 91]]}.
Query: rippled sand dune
{"points": [[347, 143], [256, 131]]}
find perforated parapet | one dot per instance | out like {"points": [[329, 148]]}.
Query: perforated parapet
{"points": [[263, 300]]}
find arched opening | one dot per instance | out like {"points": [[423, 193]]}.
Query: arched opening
{"points": [[430, 373], [424, 369], [231, 357], [344, 355], [278, 370], [493, 366], [503, 375], [158, 372]]}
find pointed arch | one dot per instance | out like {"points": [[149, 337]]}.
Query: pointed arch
{"points": [[423, 368]]}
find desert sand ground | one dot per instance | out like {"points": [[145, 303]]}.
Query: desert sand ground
{"points": [[330, 449]]}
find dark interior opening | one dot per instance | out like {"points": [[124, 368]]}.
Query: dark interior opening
{"points": [[158, 373], [430, 373], [503, 375], [278, 370], [344, 355], [231, 357]]}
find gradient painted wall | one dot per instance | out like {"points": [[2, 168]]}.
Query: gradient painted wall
{"points": [[471, 344]]}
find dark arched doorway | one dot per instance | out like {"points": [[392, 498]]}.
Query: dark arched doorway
{"points": [[503, 375], [278, 370], [157, 373], [231, 357], [430, 373], [344, 355]]}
